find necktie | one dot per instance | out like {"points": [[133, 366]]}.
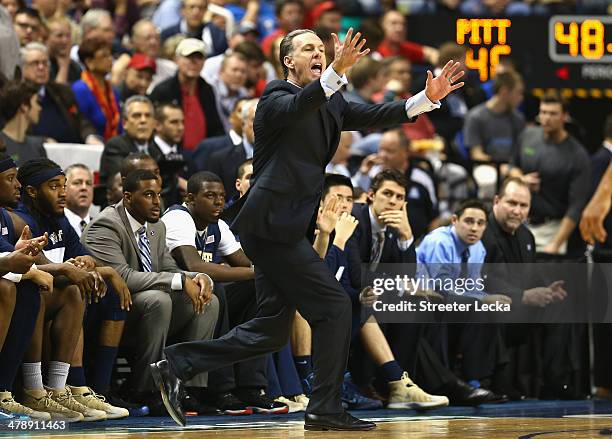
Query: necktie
{"points": [[377, 246], [144, 249], [465, 256], [82, 224]]}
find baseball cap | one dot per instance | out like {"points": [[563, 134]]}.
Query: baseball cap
{"points": [[140, 61], [189, 46], [322, 8]]}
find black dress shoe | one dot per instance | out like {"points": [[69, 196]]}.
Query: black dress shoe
{"points": [[339, 422], [171, 390]]}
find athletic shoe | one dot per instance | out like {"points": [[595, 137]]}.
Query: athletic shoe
{"points": [[293, 406], [404, 394], [259, 402], [301, 399], [136, 410], [9, 405], [41, 400], [86, 396], [352, 399], [230, 404], [64, 397]]}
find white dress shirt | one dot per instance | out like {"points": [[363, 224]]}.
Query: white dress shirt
{"points": [[75, 220]]}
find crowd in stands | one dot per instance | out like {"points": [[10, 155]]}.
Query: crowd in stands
{"points": [[137, 253]]}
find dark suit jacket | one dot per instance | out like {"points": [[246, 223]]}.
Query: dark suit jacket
{"points": [[391, 253], [118, 148], [198, 160], [63, 97], [502, 278], [225, 164], [296, 133], [170, 91], [219, 41]]}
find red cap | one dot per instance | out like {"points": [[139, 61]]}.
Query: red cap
{"points": [[321, 8], [140, 61]]}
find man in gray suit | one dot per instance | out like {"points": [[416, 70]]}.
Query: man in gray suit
{"points": [[167, 302]]}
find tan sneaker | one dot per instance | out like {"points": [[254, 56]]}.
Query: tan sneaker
{"points": [[64, 397], [404, 394], [293, 406], [302, 399], [10, 405], [40, 400], [86, 396]]}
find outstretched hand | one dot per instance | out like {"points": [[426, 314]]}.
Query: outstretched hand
{"points": [[439, 87], [348, 52]]}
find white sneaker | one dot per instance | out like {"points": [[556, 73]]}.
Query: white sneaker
{"points": [[64, 398], [40, 400], [8, 404], [86, 396], [293, 406], [302, 399], [404, 394]]}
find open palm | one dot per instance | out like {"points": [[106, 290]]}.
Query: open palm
{"points": [[439, 87]]}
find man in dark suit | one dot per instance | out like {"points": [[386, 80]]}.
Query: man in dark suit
{"points": [[225, 163], [297, 129], [138, 123]]}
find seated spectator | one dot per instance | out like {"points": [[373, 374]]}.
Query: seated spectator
{"points": [[494, 8], [42, 211], [59, 118], [339, 162], [12, 6], [394, 153], [335, 227], [225, 162], [192, 26], [229, 87], [114, 189], [28, 26], [79, 196], [394, 43], [290, 15], [95, 96], [167, 302], [327, 15], [367, 78], [195, 96], [399, 79], [20, 109], [189, 228], [492, 129], [138, 114], [97, 24], [138, 77], [146, 40], [63, 69]]}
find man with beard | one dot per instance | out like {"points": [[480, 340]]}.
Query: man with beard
{"points": [[297, 129], [167, 301], [199, 241], [76, 276]]}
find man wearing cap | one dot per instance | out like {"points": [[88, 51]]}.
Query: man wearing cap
{"points": [[194, 95], [138, 76]]}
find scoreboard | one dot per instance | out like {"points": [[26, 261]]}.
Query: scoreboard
{"points": [[565, 52]]}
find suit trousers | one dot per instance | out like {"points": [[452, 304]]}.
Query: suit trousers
{"points": [[157, 316], [287, 277]]}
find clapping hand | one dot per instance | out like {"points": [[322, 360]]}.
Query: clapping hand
{"points": [[439, 87], [348, 52], [328, 216]]}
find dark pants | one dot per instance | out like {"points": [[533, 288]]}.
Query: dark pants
{"points": [[237, 304], [287, 277]]}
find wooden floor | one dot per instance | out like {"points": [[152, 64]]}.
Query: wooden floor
{"points": [[583, 427]]}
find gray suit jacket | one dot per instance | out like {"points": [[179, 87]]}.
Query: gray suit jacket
{"points": [[109, 238]]}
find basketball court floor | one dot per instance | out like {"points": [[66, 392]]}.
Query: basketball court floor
{"points": [[518, 420]]}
